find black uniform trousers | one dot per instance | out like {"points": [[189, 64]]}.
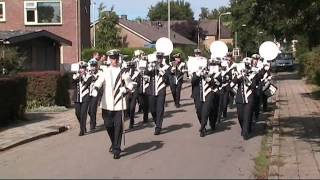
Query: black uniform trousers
{"points": [[145, 106], [257, 102], [93, 111], [210, 110], [114, 127], [81, 109], [156, 107], [198, 104], [223, 104], [176, 91], [245, 112], [264, 102], [132, 99]]}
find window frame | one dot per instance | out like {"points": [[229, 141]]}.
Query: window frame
{"points": [[36, 23], [3, 19]]}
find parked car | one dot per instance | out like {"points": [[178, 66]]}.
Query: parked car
{"points": [[284, 61]]}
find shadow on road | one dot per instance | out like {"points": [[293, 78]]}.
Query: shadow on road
{"points": [[175, 127], [29, 119], [305, 128], [139, 147], [168, 114]]}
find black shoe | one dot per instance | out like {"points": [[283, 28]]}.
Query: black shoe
{"points": [[245, 137], [130, 126], [178, 105], [213, 127], [116, 156], [157, 132], [81, 133], [110, 149], [202, 133]]}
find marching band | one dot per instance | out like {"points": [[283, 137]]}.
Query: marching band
{"points": [[216, 83]]}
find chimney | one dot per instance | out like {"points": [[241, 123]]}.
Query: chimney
{"points": [[124, 17]]}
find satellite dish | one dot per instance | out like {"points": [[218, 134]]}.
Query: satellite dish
{"points": [[269, 50], [164, 45], [218, 49]]}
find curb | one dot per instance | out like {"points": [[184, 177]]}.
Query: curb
{"points": [[55, 131], [275, 149]]}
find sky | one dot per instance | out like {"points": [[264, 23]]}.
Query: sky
{"points": [[139, 8]]}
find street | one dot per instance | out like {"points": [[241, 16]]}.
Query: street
{"points": [[178, 152]]}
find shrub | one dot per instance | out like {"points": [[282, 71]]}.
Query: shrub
{"points": [[11, 61], [310, 65], [12, 99], [46, 88], [87, 53]]}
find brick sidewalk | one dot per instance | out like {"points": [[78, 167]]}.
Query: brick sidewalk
{"points": [[296, 138], [40, 125]]}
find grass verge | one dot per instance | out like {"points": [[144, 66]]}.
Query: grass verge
{"points": [[48, 109], [262, 161]]}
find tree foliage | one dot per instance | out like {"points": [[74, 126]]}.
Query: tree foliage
{"points": [[179, 10], [279, 20], [107, 33]]}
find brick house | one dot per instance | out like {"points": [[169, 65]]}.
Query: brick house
{"points": [[208, 31], [52, 33], [183, 33], [136, 34]]}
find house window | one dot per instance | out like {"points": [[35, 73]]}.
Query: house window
{"points": [[2, 11], [43, 12]]}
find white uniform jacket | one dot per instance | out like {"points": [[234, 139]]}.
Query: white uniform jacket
{"points": [[115, 82]]}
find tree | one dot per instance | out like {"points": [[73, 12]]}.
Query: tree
{"points": [[107, 33], [180, 10], [278, 19]]}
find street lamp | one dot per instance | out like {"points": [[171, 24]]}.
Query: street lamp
{"points": [[94, 24], [168, 1], [226, 13]]}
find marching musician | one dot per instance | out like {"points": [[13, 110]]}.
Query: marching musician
{"points": [[197, 54], [142, 86], [265, 81], [136, 77], [257, 68], [224, 89], [94, 72], [177, 70], [158, 79], [200, 88], [210, 106], [246, 82], [116, 83], [81, 82]]}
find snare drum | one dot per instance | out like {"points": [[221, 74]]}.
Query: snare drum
{"points": [[270, 91]]}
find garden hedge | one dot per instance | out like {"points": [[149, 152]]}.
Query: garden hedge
{"points": [[47, 88], [12, 99]]}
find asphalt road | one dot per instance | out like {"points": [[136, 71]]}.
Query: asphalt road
{"points": [[179, 152]]}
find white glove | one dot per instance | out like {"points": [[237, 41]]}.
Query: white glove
{"points": [[94, 93], [124, 65], [123, 90], [198, 73], [208, 79], [267, 68], [75, 76], [146, 78], [132, 86]]}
